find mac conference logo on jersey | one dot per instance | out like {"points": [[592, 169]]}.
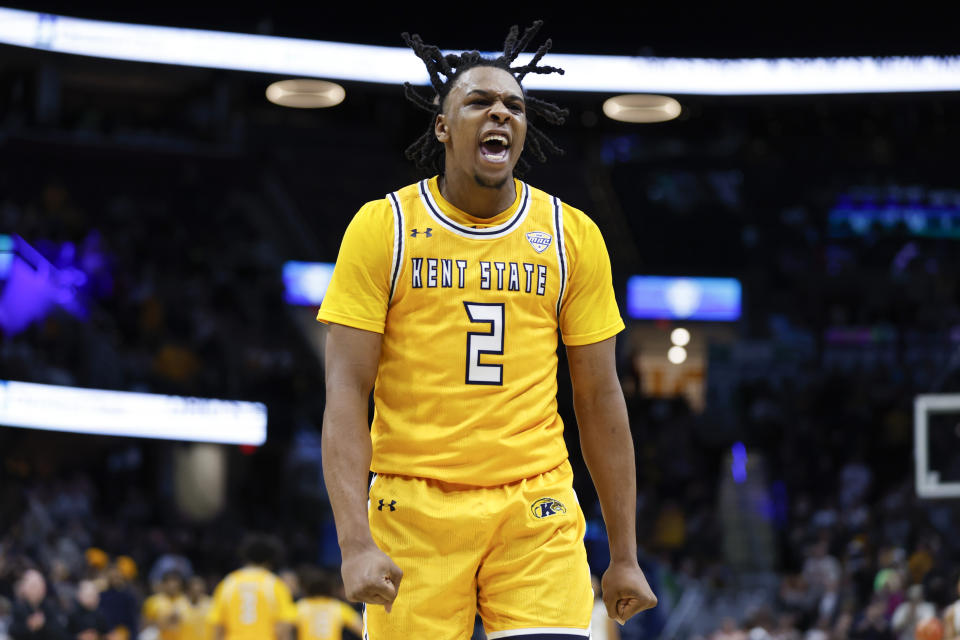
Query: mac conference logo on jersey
{"points": [[546, 507], [539, 240]]}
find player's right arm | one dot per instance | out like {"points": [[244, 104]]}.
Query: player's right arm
{"points": [[352, 356], [355, 307]]}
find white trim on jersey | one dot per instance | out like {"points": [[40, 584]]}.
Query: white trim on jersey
{"points": [[397, 242], [369, 489], [498, 231], [560, 631], [561, 250]]}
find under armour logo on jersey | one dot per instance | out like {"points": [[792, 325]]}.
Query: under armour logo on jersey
{"points": [[539, 240], [392, 505], [428, 232], [546, 507]]}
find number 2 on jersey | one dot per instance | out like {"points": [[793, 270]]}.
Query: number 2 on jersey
{"points": [[485, 342]]}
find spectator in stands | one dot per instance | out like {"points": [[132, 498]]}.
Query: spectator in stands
{"points": [[951, 618], [871, 624], [729, 631], [912, 612], [820, 568], [786, 628], [761, 625], [820, 631], [34, 616], [6, 611], [118, 604], [889, 585], [86, 622], [829, 605]]}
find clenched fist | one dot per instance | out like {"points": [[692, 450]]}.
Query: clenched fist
{"points": [[369, 575], [625, 591]]}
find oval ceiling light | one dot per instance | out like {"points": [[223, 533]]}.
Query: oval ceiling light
{"points": [[640, 107], [305, 93]]}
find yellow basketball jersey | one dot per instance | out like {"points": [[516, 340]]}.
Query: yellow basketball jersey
{"points": [[249, 602], [470, 309], [158, 608], [195, 625], [325, 619]]}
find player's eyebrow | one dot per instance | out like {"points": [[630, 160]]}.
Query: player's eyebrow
{"points": [[488, 94]]}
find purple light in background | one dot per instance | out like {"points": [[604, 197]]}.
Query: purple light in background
{"points": [[738, 464], [35, 286]]}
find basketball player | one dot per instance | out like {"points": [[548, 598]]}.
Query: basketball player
{"points": [[320, 615], [446, 300], [252, 603], [165, 609], [195, 623]]}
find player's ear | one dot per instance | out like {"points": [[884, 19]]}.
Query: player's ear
{"points": [[440, 128]]}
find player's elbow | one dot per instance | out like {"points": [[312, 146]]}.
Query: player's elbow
{"points": [[598, 398]]}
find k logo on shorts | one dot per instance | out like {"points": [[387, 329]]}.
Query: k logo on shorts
{"points": [[546, 507]]}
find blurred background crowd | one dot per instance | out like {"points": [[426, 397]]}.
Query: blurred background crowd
{"points": [[777, 493]]}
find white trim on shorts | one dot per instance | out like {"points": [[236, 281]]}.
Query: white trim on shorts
{"points": [[561, 631], [366, 636]]}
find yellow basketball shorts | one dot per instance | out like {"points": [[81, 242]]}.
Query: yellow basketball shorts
{"points": [[514, 553]]}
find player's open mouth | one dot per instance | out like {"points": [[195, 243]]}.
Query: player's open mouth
{"points": [[495, 147]]}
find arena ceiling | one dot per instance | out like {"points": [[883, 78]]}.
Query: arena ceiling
{"points": [[723, 30]]}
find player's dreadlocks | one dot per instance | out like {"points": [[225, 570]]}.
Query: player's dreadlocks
{"points": [[427, 152]]}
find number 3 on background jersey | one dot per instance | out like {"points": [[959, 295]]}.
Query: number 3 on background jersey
{"points": [[248, 605], [485, 342]]}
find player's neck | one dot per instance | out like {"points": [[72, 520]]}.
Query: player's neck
{"points": [[464, 192]]}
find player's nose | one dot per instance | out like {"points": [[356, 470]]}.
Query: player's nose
{"points": [[499, 111]]}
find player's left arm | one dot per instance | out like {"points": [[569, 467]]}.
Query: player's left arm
{"points": [[608, 451]]}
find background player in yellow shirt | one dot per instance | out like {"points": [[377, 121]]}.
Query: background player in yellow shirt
{"points": [[165, 610], [252, 603], [447, 299], [195, 624], [320, 615]]}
